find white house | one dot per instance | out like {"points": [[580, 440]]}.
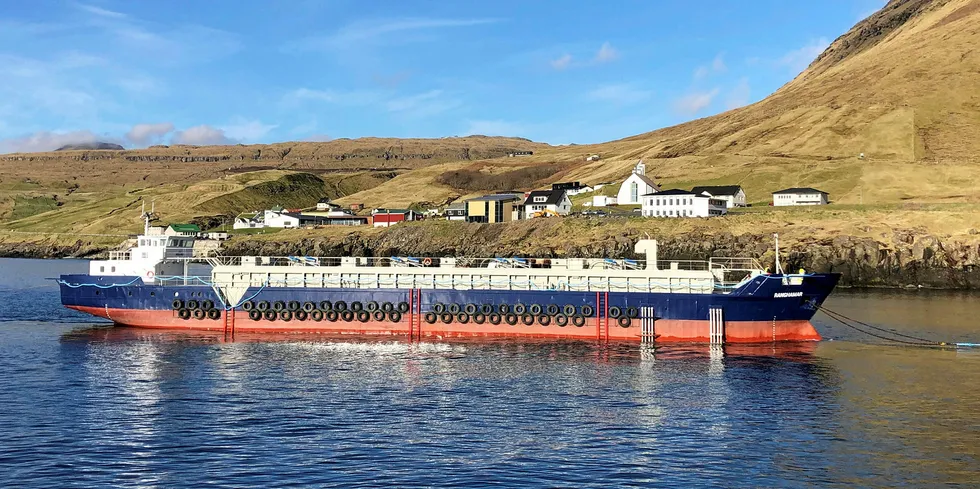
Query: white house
{"points": [[799, 196], [636, 186], [456, 212], [279, 218], [603, 200], [732, 194], [681, 203], [541, 203], [324, 205]]}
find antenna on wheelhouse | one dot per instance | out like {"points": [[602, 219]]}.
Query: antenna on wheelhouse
{"points": [[148, 216], [779, 270]]}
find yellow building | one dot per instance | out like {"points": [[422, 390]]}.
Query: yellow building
{"points": [[493, 208]]}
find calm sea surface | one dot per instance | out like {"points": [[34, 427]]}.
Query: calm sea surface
{"points": [[83, 404]]}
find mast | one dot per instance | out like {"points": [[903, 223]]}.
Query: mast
{"points": [[779, 270]]}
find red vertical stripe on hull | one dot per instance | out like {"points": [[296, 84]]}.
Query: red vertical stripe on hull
{"points": [[667, 330]]}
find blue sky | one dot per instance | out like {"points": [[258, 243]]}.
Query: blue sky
{"points": [[219, 71]]}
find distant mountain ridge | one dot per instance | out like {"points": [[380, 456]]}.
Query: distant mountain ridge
{"points": [[92, 145]]}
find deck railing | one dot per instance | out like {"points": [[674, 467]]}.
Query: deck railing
{"points": [[723, 264]]}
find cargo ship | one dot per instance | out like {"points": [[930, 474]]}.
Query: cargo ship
{"points": [[158, 283]]}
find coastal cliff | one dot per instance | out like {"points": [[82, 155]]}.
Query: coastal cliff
{"points": [[905, 259], [916, 257]]}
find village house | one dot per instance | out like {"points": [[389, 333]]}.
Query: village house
{"points": [[383, 218], [324, 205], [248, 220], [572, 188], [799, 196], [636, 186], [542, 203], [182, 230], [603, 200], [456, 212], [494, 208], [682, 203], [277, 217], [732, 194], [520, 153]]}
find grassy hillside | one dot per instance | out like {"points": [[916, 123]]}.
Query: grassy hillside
{"points": [[901, 87]]}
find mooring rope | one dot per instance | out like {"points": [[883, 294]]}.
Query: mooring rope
{"points": [[918, 341]]}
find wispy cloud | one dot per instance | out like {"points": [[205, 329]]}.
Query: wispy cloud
{"points": [[180, 44], [46, 141], [248, 131], [101, 12], [717, 65], [339, 97], [561, 62], [797, 60], [423, 104], [606, 54], [695, 102], [146, 134], [494, 128], [739, 95], [203, 135], [383, 30], [619, 94]]}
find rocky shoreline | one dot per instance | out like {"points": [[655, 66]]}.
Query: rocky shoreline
{"points": [[906, 260]]}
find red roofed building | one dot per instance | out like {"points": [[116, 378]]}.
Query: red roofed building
{"points": [[386, 217]]}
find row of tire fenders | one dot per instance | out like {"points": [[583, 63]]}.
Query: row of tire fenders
{"points": [[512, 314]]}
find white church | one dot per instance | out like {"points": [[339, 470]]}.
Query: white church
{"points": [[636, 186]]}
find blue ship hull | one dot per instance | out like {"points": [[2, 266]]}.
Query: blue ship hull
{"points": [[766, 308]]}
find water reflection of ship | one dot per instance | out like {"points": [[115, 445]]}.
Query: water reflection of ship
{"points": [[601, 352]]}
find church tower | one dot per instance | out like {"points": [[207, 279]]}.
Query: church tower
{"points": [[640, 169]]}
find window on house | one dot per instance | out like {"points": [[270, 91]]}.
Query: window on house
{"points": [[634, 192], [540, 199]]}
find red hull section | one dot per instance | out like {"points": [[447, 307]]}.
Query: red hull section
{"points": [[666, 330]]}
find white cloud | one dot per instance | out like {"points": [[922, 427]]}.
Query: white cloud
{"points": [[349, 98], [101, 12], [247, 131], [139, 85], [797, 60], [717, 65], [693, 103], [561, 62], [203, 135], [423, 104], [46, 141], [606, 53], [368, 31], [619, 94], [495, 128], [146, 134], [739, 95]]}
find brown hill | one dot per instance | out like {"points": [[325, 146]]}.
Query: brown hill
{"points": [[901, 88]]}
